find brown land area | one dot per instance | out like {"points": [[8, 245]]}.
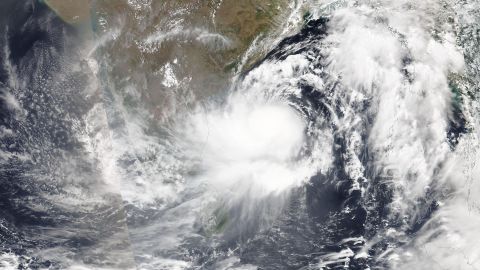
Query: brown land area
{"points": [[198, 69]]}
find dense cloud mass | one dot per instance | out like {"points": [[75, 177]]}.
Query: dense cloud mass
{"points": [[172, 135]]}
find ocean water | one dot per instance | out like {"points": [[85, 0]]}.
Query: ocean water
{"points": [[166, 135]]}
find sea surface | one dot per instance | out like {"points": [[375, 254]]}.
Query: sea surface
{"points": [[254, 134]]}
